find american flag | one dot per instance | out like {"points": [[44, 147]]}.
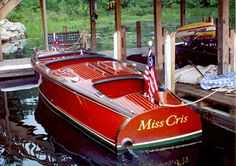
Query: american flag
{"points": [[150, 75]]}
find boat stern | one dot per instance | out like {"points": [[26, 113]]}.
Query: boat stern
{"points": [[160, 127]]}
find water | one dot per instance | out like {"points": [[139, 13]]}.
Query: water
{"points": [[31, 134]]}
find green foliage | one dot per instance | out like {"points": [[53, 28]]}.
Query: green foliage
{"points": [[232, 13], [68, 7], [80, 7], [28, 4], [138, 11], [201, 3], [207, 3], [75, 15], [139, 3], [170, 3]]}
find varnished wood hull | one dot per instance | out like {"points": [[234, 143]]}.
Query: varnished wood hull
{"points": [[119, 118]]}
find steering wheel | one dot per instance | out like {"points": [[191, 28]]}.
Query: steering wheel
{"points": [[82, 51]]}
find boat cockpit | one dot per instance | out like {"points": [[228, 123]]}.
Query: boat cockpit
{"points": [[120, 86]]}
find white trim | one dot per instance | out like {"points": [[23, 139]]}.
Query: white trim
{"points": [[165, 139]]}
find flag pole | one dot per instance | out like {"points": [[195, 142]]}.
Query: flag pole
{"points": [[150, 44], [150, 75]]}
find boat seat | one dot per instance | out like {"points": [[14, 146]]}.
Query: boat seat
{"points": [[119, 86]]}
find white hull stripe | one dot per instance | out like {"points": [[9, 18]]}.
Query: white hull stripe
{"points": [[165, 139]]}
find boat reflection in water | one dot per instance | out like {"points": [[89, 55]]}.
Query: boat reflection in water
{"points": [[22, 140], [87, 152]]}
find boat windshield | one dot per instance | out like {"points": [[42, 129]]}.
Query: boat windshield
{"points": [[120, 86]]}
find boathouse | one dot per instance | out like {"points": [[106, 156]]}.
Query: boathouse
{"points": [[218, 108]]}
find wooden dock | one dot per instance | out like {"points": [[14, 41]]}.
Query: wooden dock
{"points": [[11, 68], [219, 108]]}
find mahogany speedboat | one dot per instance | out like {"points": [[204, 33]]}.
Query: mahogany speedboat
{"points": [[106, 98]]}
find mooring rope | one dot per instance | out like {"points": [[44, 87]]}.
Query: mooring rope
{"points": [[70, 47], [194, 102], [76, 41]]}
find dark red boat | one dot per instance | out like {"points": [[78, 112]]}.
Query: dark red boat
{"points": [[105, 97]]}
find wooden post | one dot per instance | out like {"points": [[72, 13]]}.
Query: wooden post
{"points": [[164, 33], [172, 37], [211, 19], [115, 46], [158, 33], [170, 61], [84, 38], [232, 50], [118, 28], [93, 24], [1, 54], [123, 43], [183, 13], [204, 19], [138, 34], [44, 22], [223, 36], [64, 29], [208, 19]]}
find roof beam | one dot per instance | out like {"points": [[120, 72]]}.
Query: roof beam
{"points": [[7, 6]]}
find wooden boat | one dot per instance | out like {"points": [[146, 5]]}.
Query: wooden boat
{"points": [[199, 51], [199, 46], [75, 142], [105, 98], [204, 30]]}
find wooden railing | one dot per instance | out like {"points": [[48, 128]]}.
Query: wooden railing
{"points": [[69, 40], [65, 38]]}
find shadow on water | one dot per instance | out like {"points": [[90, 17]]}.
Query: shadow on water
{"points": [[32, 134]]}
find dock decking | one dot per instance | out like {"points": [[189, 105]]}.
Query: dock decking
{"points": [[16, 68], [219, 108]]}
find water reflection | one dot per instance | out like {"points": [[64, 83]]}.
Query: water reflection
{"points": [[32, 134], [79, 145]]}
